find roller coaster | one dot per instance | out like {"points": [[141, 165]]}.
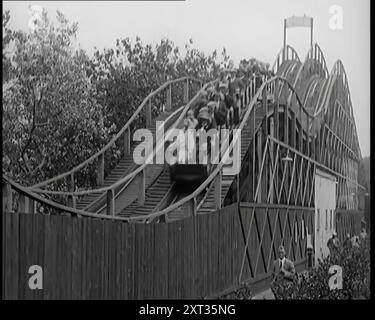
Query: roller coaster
{"points": [[310, 118], [297, 123]]}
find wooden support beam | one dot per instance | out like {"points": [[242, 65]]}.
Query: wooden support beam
{"points": [[127, 142], [72, 189], [313, 139], [254, 152], [192, 207], [271, 174], [308, 135], [168, 106], [100, 177], [300, 136], [318, 145], [110, 203], [217, 190], [141, 180], [259, 153], [293, 132], [149, 113], [7, 197], [186, 91], [22, 203], [286, 124]]}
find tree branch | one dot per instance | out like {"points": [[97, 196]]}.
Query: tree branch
{"points": [[34, 125]]}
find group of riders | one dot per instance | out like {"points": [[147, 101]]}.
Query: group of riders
{"points": [[220, 105]]}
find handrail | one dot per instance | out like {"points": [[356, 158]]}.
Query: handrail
{"points": [[114, 138], [140, 168], [130, 180], [36, 197], [218, 168]]}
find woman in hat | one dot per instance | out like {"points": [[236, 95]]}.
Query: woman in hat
{"points": [[204, 118]]}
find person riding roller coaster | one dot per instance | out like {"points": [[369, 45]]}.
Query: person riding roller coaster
{"points": [[228, 101], [206, 119], [236, 91]]}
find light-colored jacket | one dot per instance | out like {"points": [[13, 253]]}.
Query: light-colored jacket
{"points": [[287, 267]]}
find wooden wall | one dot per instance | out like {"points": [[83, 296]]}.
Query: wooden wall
{"points": [[201, 256]]}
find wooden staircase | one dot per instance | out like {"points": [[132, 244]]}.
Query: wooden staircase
{"points": [[94, 201]]}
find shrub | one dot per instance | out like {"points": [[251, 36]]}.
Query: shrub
{"points": [[314, 284]]}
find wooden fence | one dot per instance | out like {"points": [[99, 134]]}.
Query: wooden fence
{"points": [[201, 256], [348, 221]]}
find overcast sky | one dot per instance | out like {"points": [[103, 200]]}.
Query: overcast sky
{"points": [[247, 28]]}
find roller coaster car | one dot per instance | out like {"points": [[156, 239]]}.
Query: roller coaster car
{"points": [[188, 173], [183, 172]]}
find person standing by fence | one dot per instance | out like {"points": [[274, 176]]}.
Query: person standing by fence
{"points": [[283, 271]]}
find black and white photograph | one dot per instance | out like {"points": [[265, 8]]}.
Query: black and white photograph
{"points": [[203, 151]]}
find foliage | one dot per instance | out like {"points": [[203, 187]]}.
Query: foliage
{"points": [[124, 76], [243, 293], [60, 106], [355, 263], [7, 39], [364, 173], [253, 65], [51, 118]]}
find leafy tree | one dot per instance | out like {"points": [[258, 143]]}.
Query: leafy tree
{"points": [[61, 106], [364, 173], [124, 76], [51, 118], [8, 37]]}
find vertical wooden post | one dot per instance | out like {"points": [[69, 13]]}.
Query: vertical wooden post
{"points": [[100, 178], [127, 142], [318, 145], [217, 190], [284, 42], [293, 133], [264, 101], [7, 197], [259, 152], [186, 91], [192, 207], [22, 204], [276, 120], [286, 123], [72, 188], [308, 135], [110, 203], [313, 138], [272, 133], [254, 151], [300, 136], [148, 113], [74, 202], [141, 180], [168, 106]]}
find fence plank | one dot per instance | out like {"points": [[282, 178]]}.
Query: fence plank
{"points": [[193, 258]]}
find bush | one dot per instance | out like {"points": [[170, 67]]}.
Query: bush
{"points": [[314, 284], [243, 293]]}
